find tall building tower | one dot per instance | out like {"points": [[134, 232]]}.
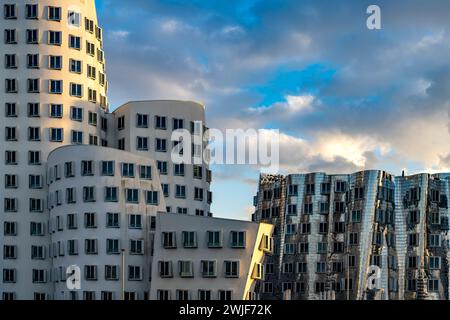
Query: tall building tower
{"points": [[366, 235], [54, 95], [145, 128]]}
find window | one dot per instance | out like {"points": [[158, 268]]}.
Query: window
{"points": [[32, 61], [121, 123], [189, 239], [91, 72], [10, 228], [54, 13], [162, 167], [35, 181], [10, 134], [152, 198], [70, 195], [33, 85], [107, 168], [165, 269], [90, 246], [10, 204], [112, 220], [180, 191], [56, 110], [10, 36], [145, 172], [178, 169], [39, 276], [231, 269], [31, 11], [142, 143], [10, 110], [74, 18], [214, 239], [161, 145], [134, 273], [413, 239], [112, 246], [185, 269], [321, 267], [356, 216], [87, 168], [136, 246], [177, 124], [92, 118], [55, 86], [37, 252], [11, 85], [257, 271], [11, 157], [266, 243], [9, 252], [90, 220], [92, 95], [75, 66], [55, 62], [169, 240], [111, 194], [128, 170], [10, 181], [181, 295], [434, 240], [10, 11], [160, 122], [90, 48], [76, 114], [135, 221], [121, 144], [208, 268], [353, 238], [77, 137], [36, 229], [358, 193], [412, 262], [75, 43], [339, 207], [32, 36], [435, 262], [111, 272], [76, 90], [238, 239], [10, 61], [54, 38], [302, 267], [308, 208], [323, 227], [197, 172], [56, 134], [141, 120], [89, 25], [341, 186], [289, 248], [132, 195], [204, 294]]}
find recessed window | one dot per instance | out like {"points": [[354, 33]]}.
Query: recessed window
{"points": [[76, 114], [135, 221], [177, 124], [185, 269], [33, 110], [10, 36], [77, 137], [107, 168], [141, 120], [10, 11], [152, 197], [142, 143], [74, 42], [54, 38], [180, 191], [34, 134], [56, 86], [90, 48], [231, 269], [54, 13], [33, 85], [73, 17], [111, 194], [132, 195], [145, 172], [11, 85], [178, 169], [89, 25], [160, 122], [56, 134], [198, 194], [32, 61], [10, 61], [238, 239], [75, 66], [189, 239], [56, 110], [10, 134], [214, 239], [136, 246], [10, 109], [76, 90], [208, 268], [91, 72], [55, 62], [92, 95], [32, 36], [31, 11], [128, 170], [112, 220]]}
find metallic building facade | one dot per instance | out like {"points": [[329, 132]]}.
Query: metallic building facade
{"points": [[366, 235]]}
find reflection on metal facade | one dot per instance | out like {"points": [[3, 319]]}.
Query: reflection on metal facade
{"points": [[366, 235]]}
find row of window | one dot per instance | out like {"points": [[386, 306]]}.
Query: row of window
{"points": [[136, 247], [54, 62], [135, 273], [86, 295], [237, 239], [160, 122], [202, 294], [55, 87], [208, 269], [52, 13]]}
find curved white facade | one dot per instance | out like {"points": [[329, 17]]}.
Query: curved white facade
{"points": [[44, 79], [161, 117], [98, 207]]}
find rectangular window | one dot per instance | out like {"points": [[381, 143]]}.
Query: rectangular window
{"points": [[142, 143], [32, 36], [111, 194], [76, 90], [112, 246], [10, 36], [180, 191], [135, 221], [56, 110], [152, 197], [107, 168], [185, 269], [214, 239], [75, 66], [208, 268], [141, 120], [10, 11], [160, 122], [89, 194], [231, 269], [128, 170], [189, 239], [11, 85], [54, 13], [55, 62], [161, 145], [112, 220], [137, 246], [55, 86], [132, 195], [10, 61], [77, 137], [54, 38], [31, 11], [76, 114], [74, 42]]}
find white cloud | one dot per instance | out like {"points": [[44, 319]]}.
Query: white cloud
{"points": [[119, 34], [291, 105]]}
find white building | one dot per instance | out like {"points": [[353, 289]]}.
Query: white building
{"points": [[102, 201], [203, 258], [54, 94], [145, 128]]}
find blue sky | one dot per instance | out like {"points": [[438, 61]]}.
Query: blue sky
{"points": [[345, 98]]}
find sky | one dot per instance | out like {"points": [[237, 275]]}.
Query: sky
{"points": [[345, 98]]}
